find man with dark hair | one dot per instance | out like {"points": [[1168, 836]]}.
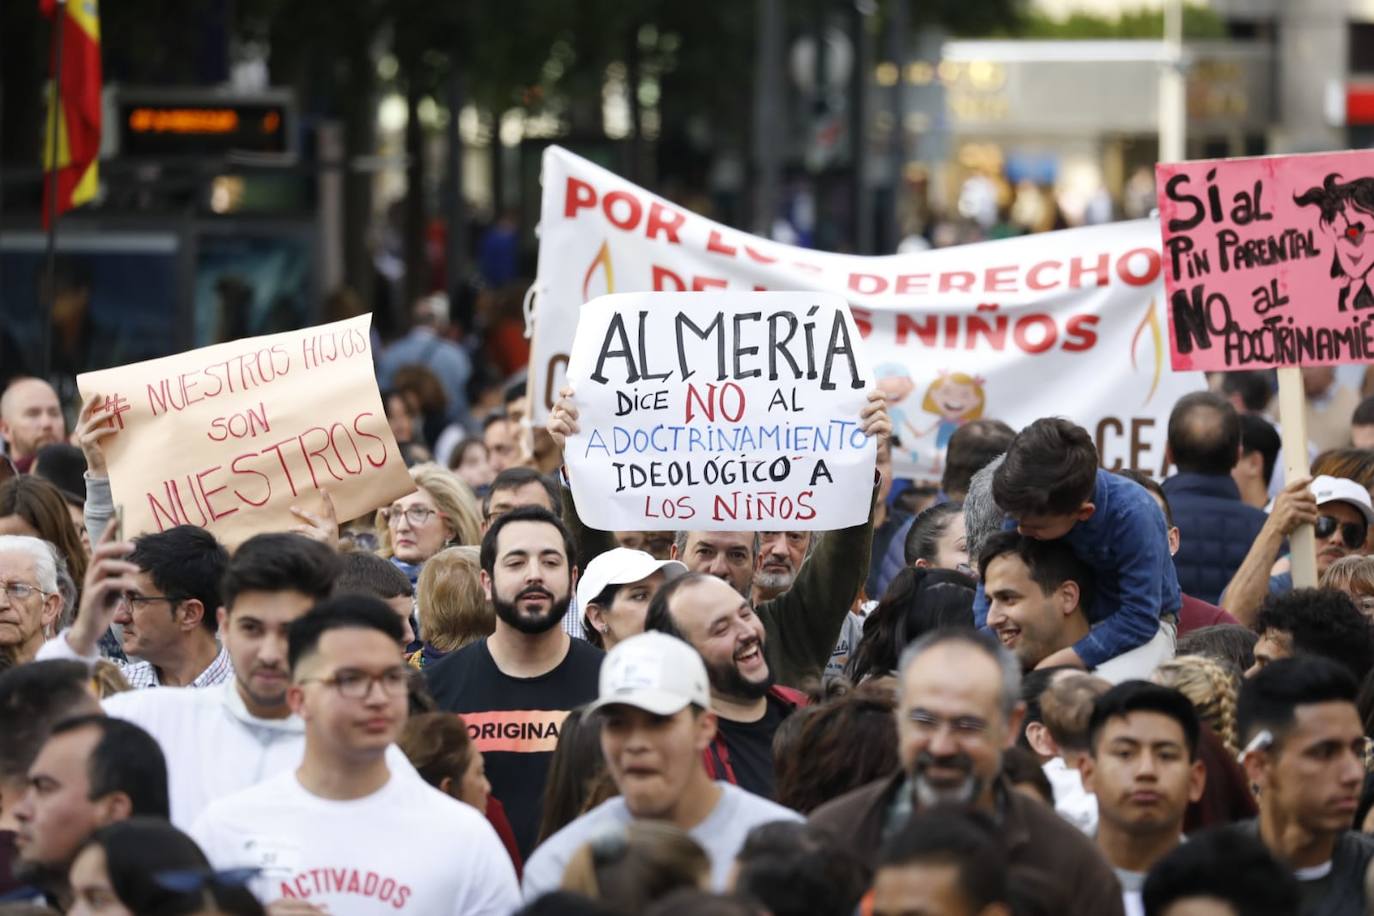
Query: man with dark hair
{"points": [[339, 831], [1314, 621], [1217, 527], [1248, 391], [656, 720], [499, 434], [1143, 766], [958, 708], [225, 738], [33, 698], [91, 771], [1220, 873], [948, 861], [796, 870], [1036, 591], [733, 641], [515, 487], [972, 448], [1051, 487], [515, 687], [1259, 454], [1305, 755], [1193, 613], [1362, 424], [168, 619], [364, 573]]}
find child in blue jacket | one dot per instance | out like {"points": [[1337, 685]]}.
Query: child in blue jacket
{"points": [[1050, 487]]}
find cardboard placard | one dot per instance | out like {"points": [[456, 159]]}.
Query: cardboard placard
{"points": [[1267, 260], [720, 412], [230, 436]]}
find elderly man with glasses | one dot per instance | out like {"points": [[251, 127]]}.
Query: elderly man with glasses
{"points": [[29, 600], [166, 614]]}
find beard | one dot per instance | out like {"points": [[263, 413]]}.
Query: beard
{"points": [[531, 623], [726, 680], [775, 581], [928, 793]]}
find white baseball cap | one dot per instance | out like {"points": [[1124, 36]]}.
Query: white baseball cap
{"points": [[654, 672], [618, 567], [1343, 490]]}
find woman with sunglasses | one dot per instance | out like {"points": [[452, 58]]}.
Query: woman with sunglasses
{"points": [[146, 867], [442, 512]]}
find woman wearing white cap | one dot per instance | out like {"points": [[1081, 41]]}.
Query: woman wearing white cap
{"points": [[615, 590]]}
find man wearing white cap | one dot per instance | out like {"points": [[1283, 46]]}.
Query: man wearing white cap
{"points": [[654, 700], [615, 590], [1340, 512]]}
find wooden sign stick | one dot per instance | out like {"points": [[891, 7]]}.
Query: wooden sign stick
{"points": [[1302, 543]]}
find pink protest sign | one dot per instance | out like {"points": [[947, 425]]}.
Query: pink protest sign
{"points": [[1267, 260]]}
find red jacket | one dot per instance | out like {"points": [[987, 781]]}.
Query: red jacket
{"points": [[717, 755]]}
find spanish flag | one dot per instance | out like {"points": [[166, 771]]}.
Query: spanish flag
{"points": [[78, 106]]}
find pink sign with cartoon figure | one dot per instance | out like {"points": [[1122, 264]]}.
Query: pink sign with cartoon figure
{"points": [[1267, 260]]}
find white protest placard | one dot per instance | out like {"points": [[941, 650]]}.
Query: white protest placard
{"points": [[1064, 323], [230, 436], [719, 412]]}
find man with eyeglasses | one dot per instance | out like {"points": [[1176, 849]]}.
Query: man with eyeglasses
{"points": [[168, 619], [1306, 754], [958, 709], [1314, 621], [339, 831], [1340, 512], [29, 600]]}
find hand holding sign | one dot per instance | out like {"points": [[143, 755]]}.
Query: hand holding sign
{"points": [[95, 423], [719, 411]]}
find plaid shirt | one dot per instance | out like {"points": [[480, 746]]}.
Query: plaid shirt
{"points": [[143, 674], [572, 620]]}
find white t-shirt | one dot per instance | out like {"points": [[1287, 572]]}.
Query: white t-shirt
{"points": [[1074, 803], [721, 834], [406, 848]]}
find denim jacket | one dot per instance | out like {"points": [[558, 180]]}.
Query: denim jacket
{"points": [[1126, 544]]}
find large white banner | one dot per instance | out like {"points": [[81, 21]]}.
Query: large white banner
{"points": [[1064, 323], [716, 409]]}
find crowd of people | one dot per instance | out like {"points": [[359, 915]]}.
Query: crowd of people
{"points": [[1042, 687]]}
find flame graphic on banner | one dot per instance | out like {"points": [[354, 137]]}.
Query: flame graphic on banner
{"points": [[1151, 320], [603, 258]]}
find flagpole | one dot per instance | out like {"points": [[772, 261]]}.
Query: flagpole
{"points": [[50, 300]]}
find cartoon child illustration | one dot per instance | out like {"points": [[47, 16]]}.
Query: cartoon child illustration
{"points": [[1347, 218], [894, 381], [956, 398]]}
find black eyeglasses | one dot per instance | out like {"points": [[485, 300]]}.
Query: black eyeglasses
{"points": [[1352, 533]]}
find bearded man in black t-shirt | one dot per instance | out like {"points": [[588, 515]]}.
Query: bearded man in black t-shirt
{"points": [[515, 688]]}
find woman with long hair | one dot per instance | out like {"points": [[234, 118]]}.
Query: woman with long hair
{"points": [[918, 601], [144, 866]]}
